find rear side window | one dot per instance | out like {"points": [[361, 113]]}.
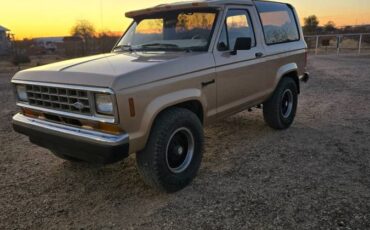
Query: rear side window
{"points": [[278, 21]]}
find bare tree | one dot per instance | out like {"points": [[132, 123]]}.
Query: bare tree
{"points": [[330, 27], [86, 31], [311, 24]]}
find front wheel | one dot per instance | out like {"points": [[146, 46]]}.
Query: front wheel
{"points": [[279, 111], [173, 154]]}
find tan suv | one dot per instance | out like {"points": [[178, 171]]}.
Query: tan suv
{"points": [[177, 68]]}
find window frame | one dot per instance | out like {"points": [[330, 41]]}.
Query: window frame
{"points": [[224, 23], [154, 15], [295, 21]]}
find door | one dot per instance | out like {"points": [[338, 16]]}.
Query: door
{"points": [[239, 76]]}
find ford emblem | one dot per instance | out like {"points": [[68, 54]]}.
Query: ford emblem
{"points": [[78, 105]]}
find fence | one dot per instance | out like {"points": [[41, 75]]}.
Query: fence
{"points": [[339, 44]]}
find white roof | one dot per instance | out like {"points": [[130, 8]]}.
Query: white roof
{"points": [[186, 5], [49, 39], [2, 28]]}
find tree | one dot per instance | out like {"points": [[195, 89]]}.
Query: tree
{"points": [[85, 30], [330, 27], [311, 24]]}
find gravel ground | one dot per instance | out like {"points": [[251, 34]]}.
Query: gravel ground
{"points": [[315, 175]]}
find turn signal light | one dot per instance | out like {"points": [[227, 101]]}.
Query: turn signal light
{"points": [[32, 113], [108, 128], [92, 125], [114, 129]]}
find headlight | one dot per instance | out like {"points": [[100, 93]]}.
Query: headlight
{"points": [[21, 93], [104, 104]]}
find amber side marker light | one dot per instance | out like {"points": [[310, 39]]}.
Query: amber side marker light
{"points": [[132, 107]]}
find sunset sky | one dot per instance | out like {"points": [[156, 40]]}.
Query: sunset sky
{"points": [[38, 18]]}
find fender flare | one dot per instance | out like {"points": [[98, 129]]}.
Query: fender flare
{"points": [[158, 105], [290, 68]]}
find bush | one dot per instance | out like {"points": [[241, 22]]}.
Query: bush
{"points": [[366, 39], [20, 59]]}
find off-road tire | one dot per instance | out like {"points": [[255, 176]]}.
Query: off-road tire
{"points": [[152, 162], [273, 108]]}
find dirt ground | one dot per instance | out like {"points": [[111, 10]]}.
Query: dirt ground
{"points": [[316, 175]]}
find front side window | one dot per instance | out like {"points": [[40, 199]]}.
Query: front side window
{"points": [[170, 31], [237, 25], [278, 21]]}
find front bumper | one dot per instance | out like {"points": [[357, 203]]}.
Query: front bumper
{"points": [[87, 145]]}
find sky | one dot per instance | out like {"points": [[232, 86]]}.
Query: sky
{"points": [[41, 18]]}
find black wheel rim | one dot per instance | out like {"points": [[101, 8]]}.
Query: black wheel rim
{"points": [[180, 150], [287, 103]]}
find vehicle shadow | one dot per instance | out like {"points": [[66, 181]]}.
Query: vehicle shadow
{"points": [[224, 137]]}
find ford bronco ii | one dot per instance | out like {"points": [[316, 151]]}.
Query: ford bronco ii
{"points": [[177, 68]]}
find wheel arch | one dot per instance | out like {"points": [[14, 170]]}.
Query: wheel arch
{"points": [[190, 99], [288, 71]]}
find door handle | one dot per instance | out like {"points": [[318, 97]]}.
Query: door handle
{"points": [[259, 55], [204, 84]]}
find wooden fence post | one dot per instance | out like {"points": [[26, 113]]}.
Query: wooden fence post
{"points": [[359, 45], [338, 44]]}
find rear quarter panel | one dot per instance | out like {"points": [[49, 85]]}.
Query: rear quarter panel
{"points": [[280, 59]]}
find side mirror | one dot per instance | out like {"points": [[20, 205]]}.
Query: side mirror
{"points": [[242, 43]]}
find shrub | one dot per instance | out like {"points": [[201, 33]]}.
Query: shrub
{"points": [[20, 59]]}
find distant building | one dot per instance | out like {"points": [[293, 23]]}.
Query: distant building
{"points": [[50, 44], [56, 45], [5, 44]]}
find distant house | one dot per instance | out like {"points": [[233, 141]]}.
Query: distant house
{"points": [[5, 43], [50, 44], [56, 45]]}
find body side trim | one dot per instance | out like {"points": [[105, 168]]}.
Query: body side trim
{"points": [[267, 57]]}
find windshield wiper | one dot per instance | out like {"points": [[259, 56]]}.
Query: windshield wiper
{"points": [[162, 46], [165, 45], [195, 49], [169, 46], [123, 48]]}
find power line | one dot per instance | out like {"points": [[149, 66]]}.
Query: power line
{"points": [[101, 14]]}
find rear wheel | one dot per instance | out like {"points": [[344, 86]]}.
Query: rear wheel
{"points": [[173, 153], [279, 111]]}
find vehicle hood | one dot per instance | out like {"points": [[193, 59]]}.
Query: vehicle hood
{"points": [[119, 70]]}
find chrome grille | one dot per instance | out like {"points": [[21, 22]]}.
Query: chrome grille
{"points": [[68, 100]]}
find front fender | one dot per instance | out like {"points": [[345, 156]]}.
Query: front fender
{"points": [[156, 106]]}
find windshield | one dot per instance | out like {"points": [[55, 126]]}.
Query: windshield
{"points": [[189, 30]]}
